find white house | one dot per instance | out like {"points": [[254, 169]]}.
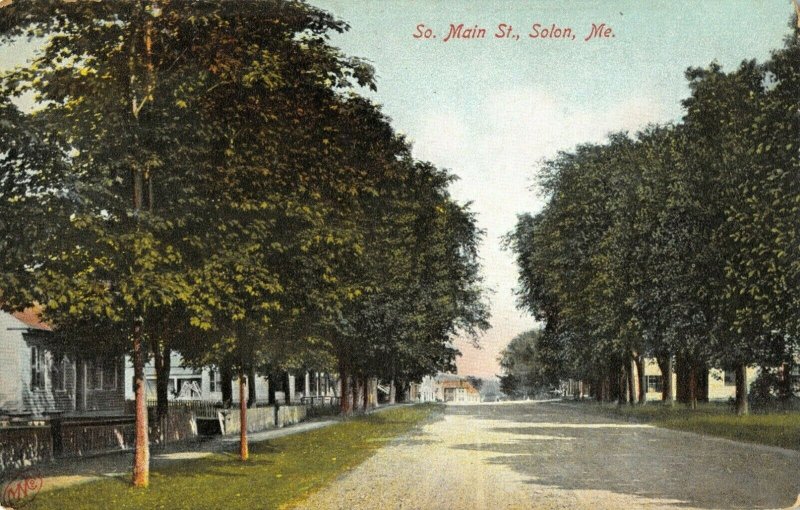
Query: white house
{"points": [[444, 388], [36, 382], [189, 383]]}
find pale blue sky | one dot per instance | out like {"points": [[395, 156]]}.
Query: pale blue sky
{"points": [[491, 109]]}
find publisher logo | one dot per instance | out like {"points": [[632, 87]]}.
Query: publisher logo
{"points": [[20, 488]]}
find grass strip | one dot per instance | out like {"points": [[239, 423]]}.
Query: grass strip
{"points": [[769, 428], [279, 472]]}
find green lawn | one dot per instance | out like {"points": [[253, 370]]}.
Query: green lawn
{"points": [[279, 472], [770, 428]]}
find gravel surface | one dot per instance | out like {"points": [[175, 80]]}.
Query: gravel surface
{"points": [[548, 456]]}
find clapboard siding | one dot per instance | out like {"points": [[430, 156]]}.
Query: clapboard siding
{"points": [[18, 394]]}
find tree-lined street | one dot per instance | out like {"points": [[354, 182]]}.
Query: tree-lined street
{"points": [[233, 183], [556, 456]]}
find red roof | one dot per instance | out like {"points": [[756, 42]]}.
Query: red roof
{"points": [[30, 317], [448, 385]]}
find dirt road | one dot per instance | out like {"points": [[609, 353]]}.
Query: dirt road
{"points": [[548, 456]]}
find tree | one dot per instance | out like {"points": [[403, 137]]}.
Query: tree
{"points": [[524, 374], [476, 382], [131, 90], [675, 243], [421, 283]]}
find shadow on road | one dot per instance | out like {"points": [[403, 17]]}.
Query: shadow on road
{"points": [[553, 445]]}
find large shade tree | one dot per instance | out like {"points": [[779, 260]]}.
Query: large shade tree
{"points": [[678, 243], [132, 95]]}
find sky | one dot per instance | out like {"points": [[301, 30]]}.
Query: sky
{"points": [[492, 109]]}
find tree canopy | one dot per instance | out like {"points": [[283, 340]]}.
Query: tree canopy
{"points": [[204, 177], [679, 242]]}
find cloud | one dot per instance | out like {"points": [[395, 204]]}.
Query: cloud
{"points": [[442, 138]]}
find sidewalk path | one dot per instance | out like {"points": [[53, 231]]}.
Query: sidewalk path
{"points": [[68, 472]]}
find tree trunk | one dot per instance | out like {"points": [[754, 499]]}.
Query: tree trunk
{"points": [[786, 389], [358, 396], [141, 454], [243, 452], [741, 390], [162, 362], [613, 384], [272, 399], [642, 380], [392, 392], [602, 392], [630, 367], [692, 387], [345, 402], [702, 383], [667, 367], [622, 384], [226, 383], [360, 392], [668, 387], [681, 379], [251, 387], [367, 387]]}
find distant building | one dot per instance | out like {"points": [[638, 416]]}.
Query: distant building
{"points": [[429, 390], [460, 392], [36, 382], [444, 388], [721, 383]]}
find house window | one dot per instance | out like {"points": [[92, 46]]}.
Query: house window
{"points": [[58, 371], [149, 388], [94, 375], [214, 381], [189, 388], [730, 378], [109, 375], [37, 368], [101, 374], [654, 384]]}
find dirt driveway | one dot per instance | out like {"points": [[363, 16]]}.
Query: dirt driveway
{"points": [[548, 455]]}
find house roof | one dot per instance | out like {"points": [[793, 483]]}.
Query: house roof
{"points": [[459, 384], [30, 317]]}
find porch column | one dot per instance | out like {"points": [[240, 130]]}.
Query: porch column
{"points": [[80, 385], [289, 388], [307, 385]]}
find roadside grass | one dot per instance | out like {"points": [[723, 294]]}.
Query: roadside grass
{"points": [[279, 472], [715, 419]]}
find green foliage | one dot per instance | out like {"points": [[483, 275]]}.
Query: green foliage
{"points": [[524, 372], [680, 240], [209, 173], [420, 279]]}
